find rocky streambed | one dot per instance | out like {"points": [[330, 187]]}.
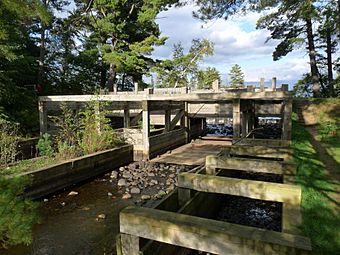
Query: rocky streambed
{"points": [[142, 181]]}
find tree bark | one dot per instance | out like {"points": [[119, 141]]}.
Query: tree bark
{"points": [[41, 71], [112, 76], [329, 61], [103, 72], [312, 58], [339, 17]]}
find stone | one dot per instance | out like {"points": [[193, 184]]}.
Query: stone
{"points": [[73, 193], [161, 193], [63, 204], [114, 175], [45, 200], [172, 176], [154, 182], [146, 197], [127, 175], [122, 182], [151, 174], [126, 196], [101, 216], [121, 169], [135, 190], [109, 194]]}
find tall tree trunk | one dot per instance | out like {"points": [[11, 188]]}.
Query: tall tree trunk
{"points": [[312, 59], [339, 17], [103, 72], [41, 72], [329, 61], [112, 76]]}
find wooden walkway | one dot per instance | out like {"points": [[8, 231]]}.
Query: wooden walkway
{"points": [[193, 153]]}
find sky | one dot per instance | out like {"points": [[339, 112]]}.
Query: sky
{"points": [[236, 42]]}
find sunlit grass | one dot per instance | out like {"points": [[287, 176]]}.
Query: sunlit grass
{"points": [[320, 222]]}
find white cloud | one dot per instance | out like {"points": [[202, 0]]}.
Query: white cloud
{"points": [[236, 41]]}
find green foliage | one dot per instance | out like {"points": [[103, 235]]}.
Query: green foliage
{"points": [[183, 68], [206, 77], [95, 132], [8, 141], [44, 146], [236, 77], [17, 214]]}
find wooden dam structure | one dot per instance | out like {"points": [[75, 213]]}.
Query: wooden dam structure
{"points": [[184, 222]]}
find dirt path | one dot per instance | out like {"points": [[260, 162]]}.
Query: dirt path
{"points": [[331, 166]]}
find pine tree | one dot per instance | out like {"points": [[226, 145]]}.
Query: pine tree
{"points": [[236, 77]]}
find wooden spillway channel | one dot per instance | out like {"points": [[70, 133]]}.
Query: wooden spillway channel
{"points": [[185, 222]]}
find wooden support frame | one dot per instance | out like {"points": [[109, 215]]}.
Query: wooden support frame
{"points": [[285, 193], [177, 118], [236, 118], [136, 119], [213, 162], [42, 117], [259, 151], [287, 119], [146, 129], [205, 235]]}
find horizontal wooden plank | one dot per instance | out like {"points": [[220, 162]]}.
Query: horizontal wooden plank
{"points": [[259, 151], [208, 235], [268, 191], [249, 164]]}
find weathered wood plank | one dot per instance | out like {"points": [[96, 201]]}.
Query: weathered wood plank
{"points": [[259, 151], [268, 191], [214, 162], [205, 234]]}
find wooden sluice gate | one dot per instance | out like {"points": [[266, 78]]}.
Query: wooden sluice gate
{"points": [[186, 221]]}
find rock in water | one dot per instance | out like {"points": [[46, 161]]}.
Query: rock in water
{"points": [[73, 193], [135, 190], [126, 196], [122, 182], [145, 197]]}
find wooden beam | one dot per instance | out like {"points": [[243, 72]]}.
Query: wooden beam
{"points": [[268, 191], [177, 118], [259, 151], [208, 235], [248, 164], [42, 117], [287, 120], [129, 244], [136, 119], [236, 118], [127, 122], [146, 129], [167, 120]]}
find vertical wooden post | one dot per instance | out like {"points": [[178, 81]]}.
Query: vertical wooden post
{"points": [[210, 165], [42, 117], [244, 119], [127, 116], [287, 119], [187, 121], [236, 118], [183, 196], [146, 129], [136, 87], [262, 84], [167, 120], [129, 244], [284, 87], [274, 84], [97, 115]]}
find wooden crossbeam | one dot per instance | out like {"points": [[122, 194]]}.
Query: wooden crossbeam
{"points": [[204, 234], [175, 120], [214, 162], [136, 119], [285, 193]]}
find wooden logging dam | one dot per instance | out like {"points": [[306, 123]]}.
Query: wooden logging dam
{"points": [[168, 127]]}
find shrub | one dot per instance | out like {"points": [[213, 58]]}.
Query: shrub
{"points": [[44, 146], [8, 141], [95, 132], [17, 215]]}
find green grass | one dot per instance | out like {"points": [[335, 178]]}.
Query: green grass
{"points": [[23, 166], [320, 223]]}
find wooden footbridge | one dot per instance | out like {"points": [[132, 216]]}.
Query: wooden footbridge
{"points": [[167, 121]]}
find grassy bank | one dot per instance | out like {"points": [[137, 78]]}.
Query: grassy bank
{"points": [[320, 221]]}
